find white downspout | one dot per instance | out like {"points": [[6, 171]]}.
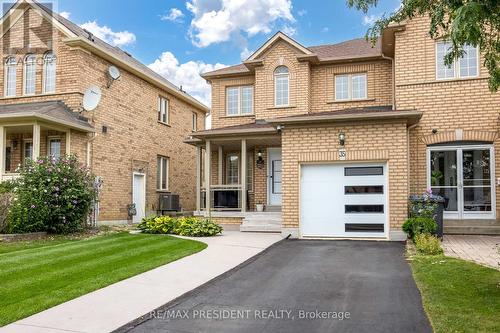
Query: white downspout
{"points": [[393, 67]]}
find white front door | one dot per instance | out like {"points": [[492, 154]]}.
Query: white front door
{"points": [[344, 200], [274, 191], [464, 176], [139, 196]]}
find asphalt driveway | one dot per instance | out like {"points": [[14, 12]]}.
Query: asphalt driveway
{"points": [[303, 286]]}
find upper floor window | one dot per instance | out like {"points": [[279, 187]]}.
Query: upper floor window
{"points": [[10, 76], [239, 101], [194, 122], [281, 86], [162, 166], [30, 74], [350, 87], [466, 66], [49, 73], [163, 110]]}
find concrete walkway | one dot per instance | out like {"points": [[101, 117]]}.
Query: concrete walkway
{"points": [[483, 250], [109, 308]]}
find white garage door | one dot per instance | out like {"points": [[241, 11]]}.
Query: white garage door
{"points": [[344, 200]]}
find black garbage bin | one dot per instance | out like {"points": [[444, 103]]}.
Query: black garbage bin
{"points": [[438, 213]]}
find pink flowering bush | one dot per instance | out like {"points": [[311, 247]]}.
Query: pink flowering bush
{"points": [[53, 195]]}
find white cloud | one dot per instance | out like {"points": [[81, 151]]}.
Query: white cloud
{"points": [[245, 53], [370, 19], [119, 38], [186, 75], [289, 30], [325, 29], [216, 21], [174, 15], [302, 12], [66, 15]]}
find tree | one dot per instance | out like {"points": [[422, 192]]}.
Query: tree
{"points": [[462, 22]]}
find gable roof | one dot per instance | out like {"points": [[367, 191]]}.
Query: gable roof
{"points": [[52, 111], [271, 41], [81, 37], [354, 49]]}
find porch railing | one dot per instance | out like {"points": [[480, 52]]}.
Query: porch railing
{"points": [[223, 197], [9, 176]]}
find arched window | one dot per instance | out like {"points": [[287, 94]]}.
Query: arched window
{"points": [[49, 73], [30, 74], [10, 76], [281, 86]]}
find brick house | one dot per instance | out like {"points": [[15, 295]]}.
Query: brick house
{"points": [[332, 139], [133, 139]]}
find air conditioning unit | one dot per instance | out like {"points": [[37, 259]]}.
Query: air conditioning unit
{"points": [[169, 202]]}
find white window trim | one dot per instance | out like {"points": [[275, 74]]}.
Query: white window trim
{"points": [[240, 100], [167, 110], [44, 74], [6, 74], [349, 88], [194, 119], [25, 76], [276, 75], [167, 182], [49, 140], [25, 141], [455, 65], [228, 156]]}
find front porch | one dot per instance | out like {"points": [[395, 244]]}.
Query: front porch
{"points": [[31, 130], [239, 177], [23, 141]]}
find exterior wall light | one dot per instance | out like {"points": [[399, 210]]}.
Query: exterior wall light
{"points": [[260, 160], [342, 139]]}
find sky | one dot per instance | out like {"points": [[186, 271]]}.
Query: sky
{"points": [[179, 39]]}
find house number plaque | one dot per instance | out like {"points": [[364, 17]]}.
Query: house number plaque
{"points": [[342, 154]]}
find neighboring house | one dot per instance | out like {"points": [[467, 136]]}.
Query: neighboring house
{"points": [[334, 138], [133, 140]]}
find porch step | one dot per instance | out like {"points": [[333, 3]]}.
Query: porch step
{"points": [[262, 222], [471, 230], [472, 227]]}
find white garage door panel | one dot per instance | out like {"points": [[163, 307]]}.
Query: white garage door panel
{"points": [[324, 199]]}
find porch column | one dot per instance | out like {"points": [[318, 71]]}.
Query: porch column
{"points": [[208, 181], [220, 156], [243, 175], [36, 141], [3, 142], [198, 179], [68, 142]]}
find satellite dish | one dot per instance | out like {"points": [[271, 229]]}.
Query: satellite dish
{"points": [[114, 72], [91, 98]]}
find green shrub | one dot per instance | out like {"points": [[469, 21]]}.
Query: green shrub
{"points": [[427, 244], [158, 225], [194, 227], [53, 195], [7, 186], [185, 226], [418, 225]]}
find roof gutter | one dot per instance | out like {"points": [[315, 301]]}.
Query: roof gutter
{"points": [[229, 132], [381, 115], [47, 118], [85, 43]]}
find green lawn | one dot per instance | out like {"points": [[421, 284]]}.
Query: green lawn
{"points": [[38, 275], [458, 296]]}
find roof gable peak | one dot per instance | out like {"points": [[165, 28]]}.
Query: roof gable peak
{"points": [[273, 40]]}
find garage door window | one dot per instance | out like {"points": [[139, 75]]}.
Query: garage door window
{"points": [[364, 209], [364, 189], [364, 171], [364, 227]]}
